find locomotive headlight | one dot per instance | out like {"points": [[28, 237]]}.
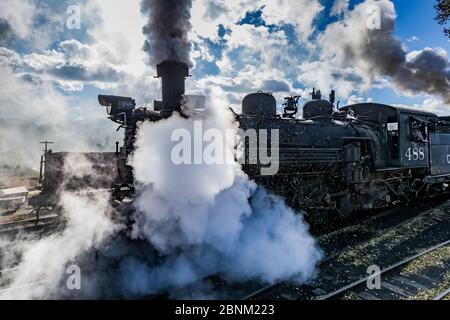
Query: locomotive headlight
{"points": [[117, 105], [107, 101]]}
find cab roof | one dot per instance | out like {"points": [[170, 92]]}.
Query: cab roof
{"points": [[374, 109]]}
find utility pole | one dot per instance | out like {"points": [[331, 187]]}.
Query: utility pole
{"points": [[46, 143]]}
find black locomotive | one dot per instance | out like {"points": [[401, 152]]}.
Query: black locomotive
{"points": [[361, 156]]}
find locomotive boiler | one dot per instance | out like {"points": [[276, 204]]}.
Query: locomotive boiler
{"points": [[335, 160]]}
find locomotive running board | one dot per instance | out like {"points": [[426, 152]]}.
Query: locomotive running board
{"points": [[437, 179]]}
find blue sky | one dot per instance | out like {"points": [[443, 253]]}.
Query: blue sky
{"points": [[416, 27], [50, 76], [414, 21], [415, 18]]}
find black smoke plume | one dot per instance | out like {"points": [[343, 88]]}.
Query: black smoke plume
{"points": [[376, 51], [167, 30], [426, 72]]}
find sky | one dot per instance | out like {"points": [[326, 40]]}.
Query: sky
{"points": [[52, 72], [417, 28]]}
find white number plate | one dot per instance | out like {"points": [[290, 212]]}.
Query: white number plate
{"points": [[415, 154]]}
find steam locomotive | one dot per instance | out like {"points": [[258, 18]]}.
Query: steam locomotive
{"points": [[338, 160]]}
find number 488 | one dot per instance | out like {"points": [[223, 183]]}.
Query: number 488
{"points": [[414, 154]]}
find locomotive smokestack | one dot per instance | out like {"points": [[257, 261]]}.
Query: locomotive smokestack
{"points": [[173, 75]]}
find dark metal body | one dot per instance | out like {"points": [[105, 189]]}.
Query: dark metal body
{"points": [[122, 110], [260, 104], [363, 156], [102, 176], [173, 75]]}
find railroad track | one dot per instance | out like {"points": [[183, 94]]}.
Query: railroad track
{"points": [[442, 295], [23, 224], [284, 290], [393, 282], [264, 292]]}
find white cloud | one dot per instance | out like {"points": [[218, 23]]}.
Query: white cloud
{"points": [[19, 15], [326, 76], [299, 13], [76, 62], [208, 14], [340, 6], [434, 104], [354, 99], [121, 30], [413, 39], [35, 111], [256, 38]]}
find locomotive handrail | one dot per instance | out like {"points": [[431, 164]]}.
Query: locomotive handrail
{"points": [[357, 138]]}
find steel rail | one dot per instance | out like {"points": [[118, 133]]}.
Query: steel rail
{"points": [[388, 212], [442, 295], [390, 268]]}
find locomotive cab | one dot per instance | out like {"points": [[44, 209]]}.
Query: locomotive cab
{"points": [[404, 134]]}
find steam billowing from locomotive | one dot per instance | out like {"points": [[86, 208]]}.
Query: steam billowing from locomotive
{"points": [[202, 220], [212, 219], [208, 219], [167, 30]]}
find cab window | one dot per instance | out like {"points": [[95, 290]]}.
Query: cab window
{"points": [[418, 131], [393, 140]]}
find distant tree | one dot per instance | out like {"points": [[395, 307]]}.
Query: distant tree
{"points": [[443, 13]]}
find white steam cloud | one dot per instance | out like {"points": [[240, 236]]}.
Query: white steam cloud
{"points": [[209, 219], [31, 112], [190, 222], [42, 271]]}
